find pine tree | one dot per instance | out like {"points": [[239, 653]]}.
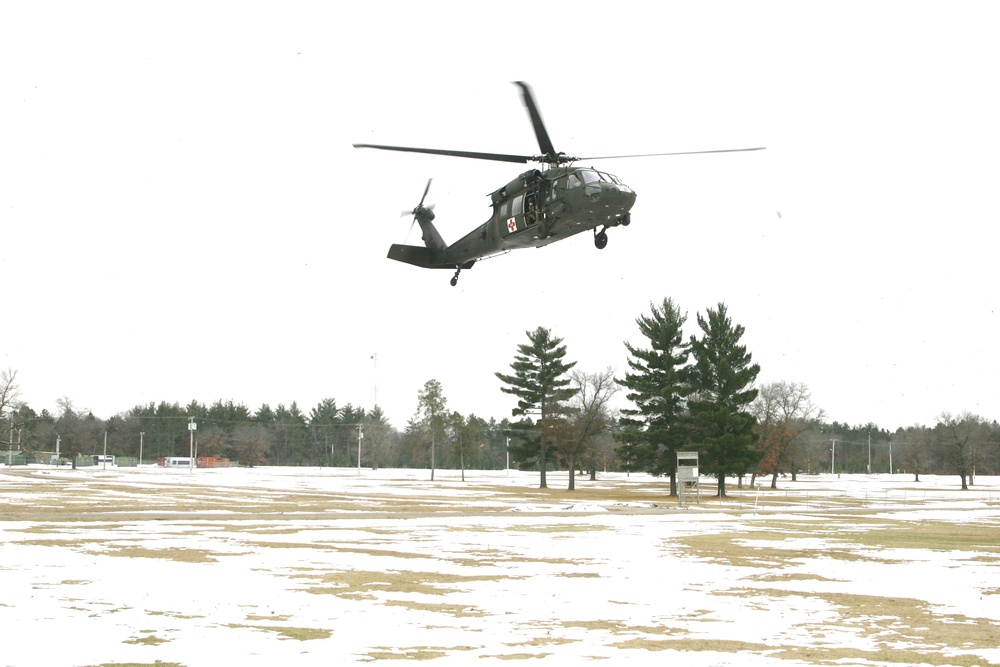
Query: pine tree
{"points": [[658, 386], [722, 379], [540, 384]]}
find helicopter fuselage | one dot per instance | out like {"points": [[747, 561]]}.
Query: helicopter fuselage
{"points": [[533, 210]]}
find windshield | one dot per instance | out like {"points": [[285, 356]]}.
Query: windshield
{"points": [[594, 176]]}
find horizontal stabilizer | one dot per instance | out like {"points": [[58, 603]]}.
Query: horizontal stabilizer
{"points": [[416, 255]]}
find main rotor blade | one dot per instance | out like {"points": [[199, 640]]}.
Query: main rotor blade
{"points": [[498, 157], [536, 120], [723, 150]]}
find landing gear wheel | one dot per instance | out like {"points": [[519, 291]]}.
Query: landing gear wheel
{"points": [[626, 220], [542, 230], [601, 240], [454, 278]]}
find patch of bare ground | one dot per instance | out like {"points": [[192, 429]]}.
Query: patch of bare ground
{"points": [[148, 640], [286, 632], [639, 493], [546, 640], [364, 583], [935, 535], [100, 547], [793, 576], [412, 653], [456, 610], [688, 644], [730, 549], [892, 623], [554, 528], [619, 627], [765, 545]]}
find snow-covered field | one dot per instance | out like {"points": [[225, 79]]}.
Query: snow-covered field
{"points": [[309, 566]]}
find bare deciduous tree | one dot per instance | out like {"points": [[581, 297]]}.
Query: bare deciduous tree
{"points": [[783, 411], [956, 442], [588, 416], [9, 390]]}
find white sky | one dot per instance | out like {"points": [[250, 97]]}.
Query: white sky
{"points": [[182, 215]]}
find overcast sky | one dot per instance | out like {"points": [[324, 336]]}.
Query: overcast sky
{"points": [[182, 214]]}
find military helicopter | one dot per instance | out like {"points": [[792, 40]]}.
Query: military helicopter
{"points": [[537, 208]]}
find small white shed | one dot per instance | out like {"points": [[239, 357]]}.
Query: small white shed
{"points": [[687, 477]]}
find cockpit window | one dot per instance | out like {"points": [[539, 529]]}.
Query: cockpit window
{"points": [[516, 205], [589, 176], [572, 182]]}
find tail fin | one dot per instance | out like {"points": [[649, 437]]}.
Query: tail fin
{"points": [[428, 232]]}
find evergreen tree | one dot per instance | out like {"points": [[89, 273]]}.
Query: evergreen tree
{"points": [[540, 384], [432, 415], [722, 379], [658, 386], [379, 436], [324, 419]]}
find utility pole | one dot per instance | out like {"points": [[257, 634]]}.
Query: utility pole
{"points": [[105, 457], [833, 456], [869, 452], [361, 435], [141, 433]]}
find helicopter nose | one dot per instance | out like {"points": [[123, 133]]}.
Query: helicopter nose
{"points": [[620, 196]]}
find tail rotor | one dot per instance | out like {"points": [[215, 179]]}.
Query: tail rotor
{"points": [[421, 212]]}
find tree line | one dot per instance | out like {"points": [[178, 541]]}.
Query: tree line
{"points": [[696, 393]]}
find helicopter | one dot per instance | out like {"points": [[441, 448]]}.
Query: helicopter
{"points": [[538, 207]]}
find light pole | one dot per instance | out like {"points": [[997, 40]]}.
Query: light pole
{"points": [[141, 433], [192, 427]]}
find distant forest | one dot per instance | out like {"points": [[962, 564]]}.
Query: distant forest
{"points": [[328, 435]]}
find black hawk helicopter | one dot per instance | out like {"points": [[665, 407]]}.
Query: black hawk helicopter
{"points": [[538, 207]]}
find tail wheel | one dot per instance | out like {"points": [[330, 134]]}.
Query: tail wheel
{"points": [[601, 240]]}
